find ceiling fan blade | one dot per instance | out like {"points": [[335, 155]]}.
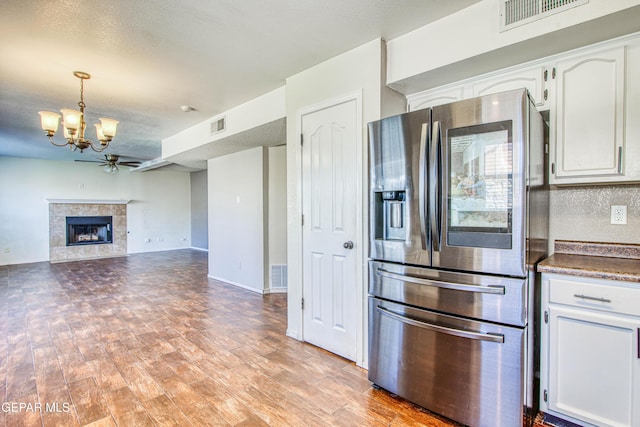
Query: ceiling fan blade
{"points": [[89, 161], [129, 163]]}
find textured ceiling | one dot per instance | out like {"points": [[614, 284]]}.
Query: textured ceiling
{"points": [[147, 58]]}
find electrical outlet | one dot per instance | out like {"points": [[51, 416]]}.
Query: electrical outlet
{"points": [[618, 214]]}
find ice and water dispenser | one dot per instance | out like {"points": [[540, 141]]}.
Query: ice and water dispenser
{"points": [[390, 215]]}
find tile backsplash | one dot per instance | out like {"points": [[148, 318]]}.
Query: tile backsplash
{"points": [[584, 213]]}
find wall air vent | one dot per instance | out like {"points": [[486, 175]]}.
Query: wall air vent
{"points": [[218, 125], [514, 13], [278, 277]]}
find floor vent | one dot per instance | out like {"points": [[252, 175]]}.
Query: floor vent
{"points": [[279, 276], [514, 13], [218, 125]]}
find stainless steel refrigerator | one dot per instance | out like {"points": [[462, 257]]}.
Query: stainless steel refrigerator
{"points": [[458, 221]]}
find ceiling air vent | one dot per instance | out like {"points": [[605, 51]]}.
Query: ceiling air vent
{"points": [[218, 125], [514, 13]]}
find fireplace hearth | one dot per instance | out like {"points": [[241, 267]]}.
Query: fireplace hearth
{"points": [[89, 230]]}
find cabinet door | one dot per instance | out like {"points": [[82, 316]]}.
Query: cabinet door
{"points": [[532, 79], [594, 366], [431, 98], [589, 118]]}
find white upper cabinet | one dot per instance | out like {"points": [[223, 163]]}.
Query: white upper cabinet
{"points": [[431, 98], [592, 96], [533, 79], [587, 124]]}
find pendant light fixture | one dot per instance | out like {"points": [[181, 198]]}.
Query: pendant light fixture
{"points": [[74, 125]]}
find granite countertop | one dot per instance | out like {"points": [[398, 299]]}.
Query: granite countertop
{"points": [[611, 261]]}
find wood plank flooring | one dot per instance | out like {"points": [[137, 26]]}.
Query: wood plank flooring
{"points": [[149, 340]]}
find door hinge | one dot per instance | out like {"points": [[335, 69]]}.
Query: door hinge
{"points": [[546, 75], [546, 396], [302, 304], [546, 317], [553, 168], [553, 73], [302, 219], [301, 139], [546, 94]]}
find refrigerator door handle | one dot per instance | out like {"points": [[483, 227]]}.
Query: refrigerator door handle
{"points": [[497, 290], [434, 195], [481, 336], [422, 185]]}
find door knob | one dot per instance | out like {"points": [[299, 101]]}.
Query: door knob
{"points": [[348, 245]]}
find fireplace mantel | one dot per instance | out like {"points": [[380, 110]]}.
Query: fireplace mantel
{"points": [[90, 201]]}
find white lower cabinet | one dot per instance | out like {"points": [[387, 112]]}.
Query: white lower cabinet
{"points": [[590, 360]]}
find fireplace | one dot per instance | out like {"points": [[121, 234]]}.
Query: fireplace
{"points": [[93, 239], [89, 230]]}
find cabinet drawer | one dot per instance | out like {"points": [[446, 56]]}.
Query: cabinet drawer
{"points": [[610, 296]]}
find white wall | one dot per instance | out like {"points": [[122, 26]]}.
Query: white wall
{"points": [[256, 112], [159, 209], [237, 218], [358, 71], [247, 216], [199, 216], [277, 191]]}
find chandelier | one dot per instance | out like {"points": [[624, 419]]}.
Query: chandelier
{"points": [[74, 125]]}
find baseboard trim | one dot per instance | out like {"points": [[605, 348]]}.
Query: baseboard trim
{"points": [[239, 285]]}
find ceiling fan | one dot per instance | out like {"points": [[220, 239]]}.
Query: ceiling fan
{"points": [[111, 163]]}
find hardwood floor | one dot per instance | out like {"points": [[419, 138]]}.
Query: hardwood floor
{"points": [[149, 340]]}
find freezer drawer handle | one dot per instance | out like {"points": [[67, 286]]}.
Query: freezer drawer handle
{"points": [[498, 338], [496, 290]]}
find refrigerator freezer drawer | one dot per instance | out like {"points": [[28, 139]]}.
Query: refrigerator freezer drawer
{"points": [[490, 298], [454, 367]]}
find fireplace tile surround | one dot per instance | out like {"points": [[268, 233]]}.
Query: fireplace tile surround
{"points": [[59, 209]]}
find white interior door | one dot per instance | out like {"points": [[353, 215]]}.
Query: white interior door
{"points": [[329, 182]]}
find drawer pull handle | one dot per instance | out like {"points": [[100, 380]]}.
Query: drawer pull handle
{"points": [[491, 289], [592, 298], [481, 336]]}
